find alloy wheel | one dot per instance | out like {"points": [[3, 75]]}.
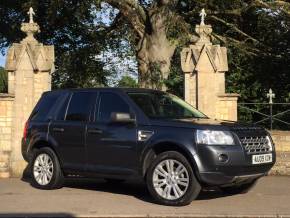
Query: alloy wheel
{"points": [[170, 179], [43, 169]]}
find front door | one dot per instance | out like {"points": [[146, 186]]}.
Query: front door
{"points": [[111, 146], [69, 130]]}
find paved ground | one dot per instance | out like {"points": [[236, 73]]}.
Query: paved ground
{"points": [[270, 198]]}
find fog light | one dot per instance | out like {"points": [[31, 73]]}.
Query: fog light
{"points": [[223, 158]]}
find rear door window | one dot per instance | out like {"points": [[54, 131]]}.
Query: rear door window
{"points": [[80, 106]]}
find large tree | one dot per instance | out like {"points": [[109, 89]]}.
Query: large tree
{"points": [[151, 23], [250, 27], [158, 27]]}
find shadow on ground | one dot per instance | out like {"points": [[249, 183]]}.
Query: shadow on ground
{"points": [[132, 188], [34, 215]]}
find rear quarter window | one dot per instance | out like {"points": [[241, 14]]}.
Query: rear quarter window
{"points": [[44, 106]]}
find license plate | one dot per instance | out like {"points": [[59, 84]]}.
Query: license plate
{"points": [[261, 158]]}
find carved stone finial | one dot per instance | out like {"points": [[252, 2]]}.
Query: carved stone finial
{"points": [[30, 28], [204, 33], [31, 14], [202, 15]]}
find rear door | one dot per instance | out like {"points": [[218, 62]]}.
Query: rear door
{"points": [[69, 128], [111, 146]]}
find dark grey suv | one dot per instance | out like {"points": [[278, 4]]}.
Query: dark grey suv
{"points": [[121, 134]]}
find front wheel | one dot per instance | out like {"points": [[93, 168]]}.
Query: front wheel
{"points": [[171, 180], [45, 169]]}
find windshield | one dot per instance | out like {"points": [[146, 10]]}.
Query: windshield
{"points": [[160, 105]]}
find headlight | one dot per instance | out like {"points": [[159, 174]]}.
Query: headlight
{"points": [[209, 137]]}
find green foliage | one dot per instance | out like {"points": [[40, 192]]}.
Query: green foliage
{"points": [[127, 82], [3, 80], [175, 81], [70, 27]]}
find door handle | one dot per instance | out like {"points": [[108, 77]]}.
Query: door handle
{"points": [[58, 129], [95, 131]]}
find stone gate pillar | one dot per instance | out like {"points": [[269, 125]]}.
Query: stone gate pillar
{"points": [[204, 66], [29, 65]]}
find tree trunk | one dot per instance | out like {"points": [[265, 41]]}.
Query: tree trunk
{"points": [[154, 49], [154, 55]]}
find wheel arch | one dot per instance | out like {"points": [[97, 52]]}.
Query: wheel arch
{"points": [[160, 147], [44, 144]]}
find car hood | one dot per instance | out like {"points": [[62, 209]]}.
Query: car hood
{"points": [[203, 124]]}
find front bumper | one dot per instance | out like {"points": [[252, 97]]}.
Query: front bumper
{"points": [[222, 179], [237, 168]]}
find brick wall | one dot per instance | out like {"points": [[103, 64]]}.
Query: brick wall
{"points": [[282, 142], [6, 105]]}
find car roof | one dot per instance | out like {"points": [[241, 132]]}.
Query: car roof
{"points": [[104, 89]]}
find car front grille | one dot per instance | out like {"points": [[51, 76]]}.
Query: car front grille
{"points": [[256, 144]]}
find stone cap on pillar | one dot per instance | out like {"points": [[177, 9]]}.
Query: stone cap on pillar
{"points": [[229, 95], [208, 56], [204, 33], [41, 57], [30, 29], [203, 55]]}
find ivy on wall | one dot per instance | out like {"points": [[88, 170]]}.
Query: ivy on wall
{"points": [[3, 80]]}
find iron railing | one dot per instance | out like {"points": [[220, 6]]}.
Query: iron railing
{"points": [[266, 114]]}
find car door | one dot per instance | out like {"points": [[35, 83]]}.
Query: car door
{"points": [[111, 146], [69, 129]]}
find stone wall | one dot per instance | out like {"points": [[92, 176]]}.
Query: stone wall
{"points": [[282, 142], [6, 106], [226, 108]]}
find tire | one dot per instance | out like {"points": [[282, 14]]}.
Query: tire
{"points": [[239, 189], [41, 178], [157, 183]]}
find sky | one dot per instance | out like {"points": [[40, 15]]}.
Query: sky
{"points": [[2, 60]]}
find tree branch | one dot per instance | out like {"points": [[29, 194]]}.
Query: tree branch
{"points": [[246, 48], [232, 26], [273, 5], [133, 12], [233, 12], [167, 2]]}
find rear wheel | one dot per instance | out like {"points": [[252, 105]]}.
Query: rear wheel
{"points": [[171, 181], [45, 170], [239, 189]]}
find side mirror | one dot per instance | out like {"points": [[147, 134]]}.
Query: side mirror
{"points": [[117, 117]]}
